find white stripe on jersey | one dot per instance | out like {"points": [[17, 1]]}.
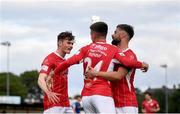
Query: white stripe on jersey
{"points": [[112, 63], [59, 55], [128, 78]]}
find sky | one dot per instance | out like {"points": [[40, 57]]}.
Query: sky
{"points": [[32, 27]]}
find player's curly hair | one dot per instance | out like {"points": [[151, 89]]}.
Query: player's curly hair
{"points": [[65, 35]]}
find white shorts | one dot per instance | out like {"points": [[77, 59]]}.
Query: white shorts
{"points": [[98, 104], [127, 110], [58, 110]]}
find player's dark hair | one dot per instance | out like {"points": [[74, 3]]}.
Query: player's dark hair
{"points": [[65, 35], [146, 92], [100, 27], [77, 96], [128, 28], [115, 42]]}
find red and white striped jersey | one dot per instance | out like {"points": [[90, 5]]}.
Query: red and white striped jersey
{"points": [[123, 90]]}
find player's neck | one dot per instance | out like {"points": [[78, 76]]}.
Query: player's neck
{"points": [[61, 53], [100, 40], [149, 100], [123, 45]]}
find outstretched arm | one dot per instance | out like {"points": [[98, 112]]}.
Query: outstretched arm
{"points": [[75, 59], [131, 63]]}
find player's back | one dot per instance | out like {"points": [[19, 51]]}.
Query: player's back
{"points": [[98, 56]]}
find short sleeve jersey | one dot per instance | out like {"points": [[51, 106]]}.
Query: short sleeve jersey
{"points": [[59, 81], [148, 105]]}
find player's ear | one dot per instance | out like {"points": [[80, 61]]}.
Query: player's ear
{"points": [[59, 43]]}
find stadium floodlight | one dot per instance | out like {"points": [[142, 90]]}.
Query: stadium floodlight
{"points": [[8, 44], [95, 19], [165, 66]]}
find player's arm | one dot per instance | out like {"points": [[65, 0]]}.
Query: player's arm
{"points": [[143, 108], [114, 75], [131, 63], [75, 59], [157, 108], [42, 84]]}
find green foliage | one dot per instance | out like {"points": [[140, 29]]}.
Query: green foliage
{"points": [[159, 95], [140, 98], [174, 103], [16, 87], [26, 85], [22, 85], [29, 79]]}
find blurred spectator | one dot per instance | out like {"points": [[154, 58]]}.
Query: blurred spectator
{"points": [[77, 104], [149, 105]]}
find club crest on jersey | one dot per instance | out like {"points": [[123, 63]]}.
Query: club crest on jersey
{"points": [[122, 54], [44, 67]]}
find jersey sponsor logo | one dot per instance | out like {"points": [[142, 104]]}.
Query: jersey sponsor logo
{"points": [[44, 67], [98, 53], [98, 47], [94, 55]]}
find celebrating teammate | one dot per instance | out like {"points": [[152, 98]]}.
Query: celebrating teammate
{"points": [[56, 95], [96, 93], [123, 77]]}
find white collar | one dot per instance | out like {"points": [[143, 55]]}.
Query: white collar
{"points": [[125, 50], [59, 55]]}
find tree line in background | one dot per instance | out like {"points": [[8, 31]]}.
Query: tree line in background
{"points": [[25, 85]]}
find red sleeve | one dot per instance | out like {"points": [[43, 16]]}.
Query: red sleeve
{"points": [[156, 104], [75, 59], [143, 105], [46, 66], [128, 61]]}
